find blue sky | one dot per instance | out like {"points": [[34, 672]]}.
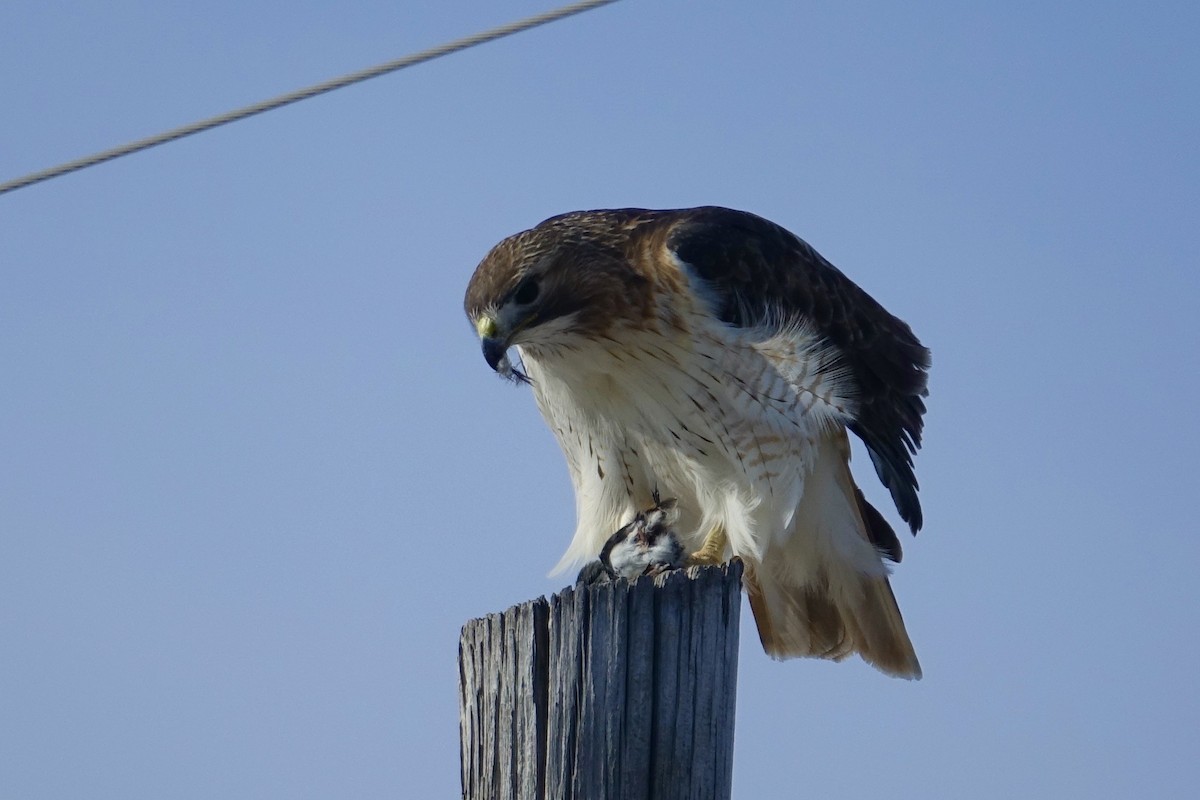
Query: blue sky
{"points": [[254, 473]]}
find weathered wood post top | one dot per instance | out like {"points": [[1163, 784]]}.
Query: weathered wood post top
{"points": [[623, 689]]}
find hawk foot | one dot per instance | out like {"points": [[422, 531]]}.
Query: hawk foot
{"points": [[712, 552], [658, 568]]}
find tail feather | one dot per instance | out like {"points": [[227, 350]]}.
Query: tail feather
{"points": [[808, 621], [822, 591]]}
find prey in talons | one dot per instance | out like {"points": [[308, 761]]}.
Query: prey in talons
{"points": [[646, 546]]}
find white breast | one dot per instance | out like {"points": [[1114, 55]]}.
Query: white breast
{"points": [[721, 419]]}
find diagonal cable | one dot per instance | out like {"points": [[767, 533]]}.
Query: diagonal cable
{"points": [[303, 94]]}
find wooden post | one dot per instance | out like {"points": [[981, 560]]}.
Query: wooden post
{"points": [[621, 690]]}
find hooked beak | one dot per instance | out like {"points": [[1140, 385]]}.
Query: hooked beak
{"points": [[495, 348], [495, 352]]}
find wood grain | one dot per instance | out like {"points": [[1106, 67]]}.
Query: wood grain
{"points": [[616, 690]]}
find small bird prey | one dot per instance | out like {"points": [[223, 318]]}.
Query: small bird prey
{"points": [[646, 546], [713, 354]]}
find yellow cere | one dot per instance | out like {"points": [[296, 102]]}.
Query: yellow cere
{"points": [[485, 326]]}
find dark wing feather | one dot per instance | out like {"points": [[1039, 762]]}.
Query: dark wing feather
{"points": [[758, 273]]}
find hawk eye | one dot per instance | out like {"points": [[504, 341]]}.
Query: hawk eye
{"points": [[527, 292]]}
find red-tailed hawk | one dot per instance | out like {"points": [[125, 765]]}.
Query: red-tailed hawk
{"points": [[713, 355]]}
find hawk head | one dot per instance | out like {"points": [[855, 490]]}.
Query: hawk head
{"points": [[569, 276]]}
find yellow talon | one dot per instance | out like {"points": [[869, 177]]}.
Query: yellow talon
{"points": [[712, 551]]}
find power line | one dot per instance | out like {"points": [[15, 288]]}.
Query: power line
{"points": [[304, 94]]}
